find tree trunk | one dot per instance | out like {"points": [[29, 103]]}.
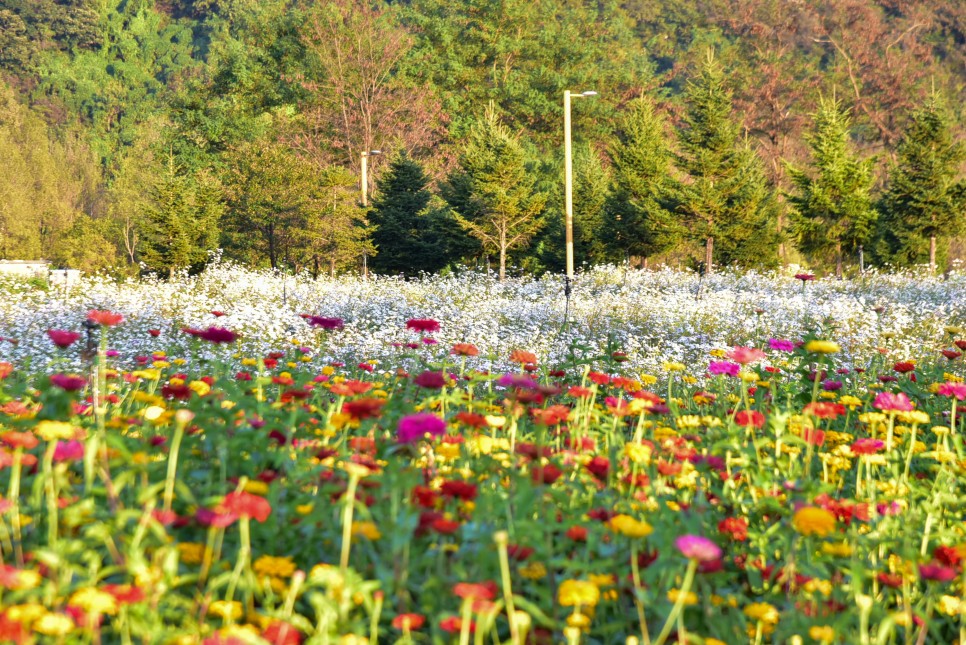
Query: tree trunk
{"points": [[502, 263], [331, 267], [708, 255], [932, 254], [838, 260]]}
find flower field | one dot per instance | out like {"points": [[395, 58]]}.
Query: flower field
{"points": [[239, 457]]}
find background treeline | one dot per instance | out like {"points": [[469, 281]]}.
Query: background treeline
{"points": [[142, 134]]}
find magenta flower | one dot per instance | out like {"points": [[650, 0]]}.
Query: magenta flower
{"points": [[957, 390], [724, 367], [68, 382], [889, 402], [696, 547], [68, 451], [430, 380], [937, 572], [780, 345], [213, 334], [325, 323], [63, 338], [518, 381], [416, 426], [422, 325]]}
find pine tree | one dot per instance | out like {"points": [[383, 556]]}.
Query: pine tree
{"points": [[404, 232], [832, 203], [181, 225], [492, 192], [924, 202], [639, 213], [333, 226], [725, 197]]}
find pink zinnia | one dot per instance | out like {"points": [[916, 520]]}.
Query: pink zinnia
{"points": [[746, 355], [890, 402], [957, 390], [63, 338], [724, 367], [696, 547], [416, 426], [867, 446]]}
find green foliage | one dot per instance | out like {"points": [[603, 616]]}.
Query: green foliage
{"points": [[406, 231], [492, 192], [923, 205], [181, 224], [724, 197], [46, 183], [832, 202], [639, 216]]}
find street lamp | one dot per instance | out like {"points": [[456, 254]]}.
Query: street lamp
{"points": [[569, 188], [364, 183]]}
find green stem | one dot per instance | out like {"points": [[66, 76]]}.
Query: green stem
{"points": [[679, 603]]}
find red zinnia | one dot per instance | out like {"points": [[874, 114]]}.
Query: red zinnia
{"points": [[363, 408], [245, 504], [475, 590], [408, 621], [752, 418], [825, 410], [465, 349], [105, 318]]}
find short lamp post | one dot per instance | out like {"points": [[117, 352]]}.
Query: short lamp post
{"points": [[364, 185], [569, 189]]}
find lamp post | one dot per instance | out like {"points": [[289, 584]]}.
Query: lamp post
{"points": [[569, 188], [364, 184]]}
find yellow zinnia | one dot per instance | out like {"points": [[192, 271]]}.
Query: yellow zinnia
{"points": [[54, 430], [812, 520], [578, 592], [627, 525], [822, 347]]}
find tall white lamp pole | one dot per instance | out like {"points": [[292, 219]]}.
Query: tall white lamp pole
{"points": [[569, 188], [364, 184]]}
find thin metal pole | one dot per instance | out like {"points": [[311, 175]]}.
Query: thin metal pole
{"points": [[568, 190], [365, 205]]}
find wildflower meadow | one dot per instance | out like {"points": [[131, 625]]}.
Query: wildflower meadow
{"points": [[246, 457]]}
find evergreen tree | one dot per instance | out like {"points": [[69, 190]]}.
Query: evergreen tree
{"points": [[924, 202], [639, 214], [180, 226], [725, 198], [492, 192], [832, 203], [334, 228], [403, 232]]}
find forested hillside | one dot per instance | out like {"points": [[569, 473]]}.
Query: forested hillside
{"points": [[144, 134]]}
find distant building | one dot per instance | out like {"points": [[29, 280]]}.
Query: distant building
{"points": [[24, 268], [32, 269]]}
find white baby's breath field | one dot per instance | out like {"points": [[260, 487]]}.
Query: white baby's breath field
{"points": [[652, 316]]}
